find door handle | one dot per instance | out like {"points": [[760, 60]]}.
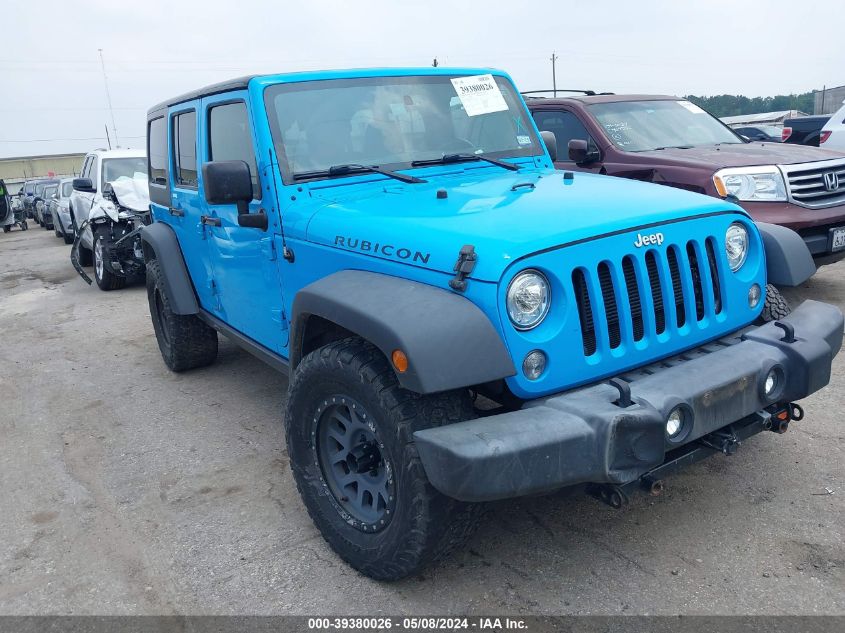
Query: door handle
{"points": [[210, 220], [176, 211]]}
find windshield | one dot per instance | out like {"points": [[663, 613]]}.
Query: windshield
{"points": [[39, 189], [639, 126], [392, 121], [114, 168], [49, 191], [67, 189]]}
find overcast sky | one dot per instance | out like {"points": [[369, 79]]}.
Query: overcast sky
{"points": [[53, 84]]}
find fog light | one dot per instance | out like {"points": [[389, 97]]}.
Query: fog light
{"points": [[534, 364], [754, 296], [675, 422], [772, 382]]}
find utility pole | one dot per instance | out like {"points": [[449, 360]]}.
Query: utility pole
{"points": [[554, 74], [434, 63], [108, 98]]}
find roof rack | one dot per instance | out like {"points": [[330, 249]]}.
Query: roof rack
{"points": [[588, 93]]}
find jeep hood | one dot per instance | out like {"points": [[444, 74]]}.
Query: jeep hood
{"points": [[501, 221], [741, 155]]}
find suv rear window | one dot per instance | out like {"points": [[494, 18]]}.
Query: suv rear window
{"points": [[185, 149], [157, 151]]}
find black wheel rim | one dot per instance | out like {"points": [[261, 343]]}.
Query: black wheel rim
{"points": [[159, 308], [353, 464]]}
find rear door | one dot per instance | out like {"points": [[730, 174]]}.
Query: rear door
{"points": [[244, 261]]}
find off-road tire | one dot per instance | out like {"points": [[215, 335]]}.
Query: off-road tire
{"points": [[425, 525], [185, 341], [104, 277], [775, 306]]}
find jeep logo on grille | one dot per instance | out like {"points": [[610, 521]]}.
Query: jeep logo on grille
{"points": [[645, 240], [831, 181]]}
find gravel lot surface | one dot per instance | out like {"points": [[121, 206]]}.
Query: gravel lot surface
{"points": [[129, 489]]}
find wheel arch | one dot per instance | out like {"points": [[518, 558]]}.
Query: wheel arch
{"points": [[159, 242], [788, 260], [449, 342]]}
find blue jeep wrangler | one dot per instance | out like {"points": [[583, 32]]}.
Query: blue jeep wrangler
{"points": [[461, 322]]}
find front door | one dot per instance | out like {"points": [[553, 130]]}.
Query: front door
{"points": [[244, 261]]}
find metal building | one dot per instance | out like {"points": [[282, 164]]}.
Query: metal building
{"points": [[17, 169], [829, 100]]}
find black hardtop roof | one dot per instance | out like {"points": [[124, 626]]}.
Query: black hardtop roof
{"points": [[238, 83]]}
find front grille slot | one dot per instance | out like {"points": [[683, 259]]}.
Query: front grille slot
{"points": [[633, 297], [656, 292], [806, 183], [697, 290], [585, 312], [714, 275], [677, 288], [678, 274], [611, 310]]}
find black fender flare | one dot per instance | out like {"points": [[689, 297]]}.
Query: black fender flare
{"points": [[449, 342], [788, 260], [159, 242]]}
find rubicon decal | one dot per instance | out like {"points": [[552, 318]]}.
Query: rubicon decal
{"points": [[646, 240], [388, 250]]}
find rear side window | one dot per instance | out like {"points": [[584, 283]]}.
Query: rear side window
{"points": [[157, 151], [230, 138], [185, 149]]}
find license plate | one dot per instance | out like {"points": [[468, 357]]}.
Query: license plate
{"points": [[837, 239]]}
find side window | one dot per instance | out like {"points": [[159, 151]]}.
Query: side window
{"points": [[230, 138], [157, 151], [564, 125], [185, 149]]}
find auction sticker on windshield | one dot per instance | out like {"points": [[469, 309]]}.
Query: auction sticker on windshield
{"points": [[479, 94]]}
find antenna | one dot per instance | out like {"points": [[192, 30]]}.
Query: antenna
{"points": [[554, 74], [108, 98]]}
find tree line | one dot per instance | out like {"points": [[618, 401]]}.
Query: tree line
{"points": [[731, 105]]}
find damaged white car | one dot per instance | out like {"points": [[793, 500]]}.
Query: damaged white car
{"points": [[114, 224]]}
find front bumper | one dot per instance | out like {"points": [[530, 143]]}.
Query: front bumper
{"points": [[584, 436], [813, 225]]}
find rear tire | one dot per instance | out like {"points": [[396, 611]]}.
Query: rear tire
{"points": [[775, 306], [388, 522], [68, 238], [104, 277], [6, 229], [185, 341]]}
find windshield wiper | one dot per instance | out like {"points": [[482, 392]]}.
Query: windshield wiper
{"points": [[343, 170], [674, 147], [459, 158]]}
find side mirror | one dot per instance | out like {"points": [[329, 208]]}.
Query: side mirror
{"points": [[582, 152], [551, 143], [84, 185], [229, 182]]}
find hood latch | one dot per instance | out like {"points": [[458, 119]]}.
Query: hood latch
{"points": [[463, 267]]}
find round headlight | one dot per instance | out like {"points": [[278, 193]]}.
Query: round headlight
{"points": [[528, 299], [736, 245]]}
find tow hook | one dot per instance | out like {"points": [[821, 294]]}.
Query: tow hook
{"points": [[612, 495], [780, 419], [725, 441]]}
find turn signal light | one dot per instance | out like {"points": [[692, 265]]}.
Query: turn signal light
{"points": [[400, 361]]}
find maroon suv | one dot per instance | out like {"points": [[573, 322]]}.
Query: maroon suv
{"points": [[672, 141]]}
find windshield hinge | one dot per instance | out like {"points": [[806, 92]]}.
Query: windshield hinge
{"points": [[463, 267]]}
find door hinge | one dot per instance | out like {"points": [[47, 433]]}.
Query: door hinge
{"points": [[463, 267], [269, 247]]}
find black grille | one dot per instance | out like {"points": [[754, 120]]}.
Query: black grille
{"points": [[659, 274], [585, 312]]}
